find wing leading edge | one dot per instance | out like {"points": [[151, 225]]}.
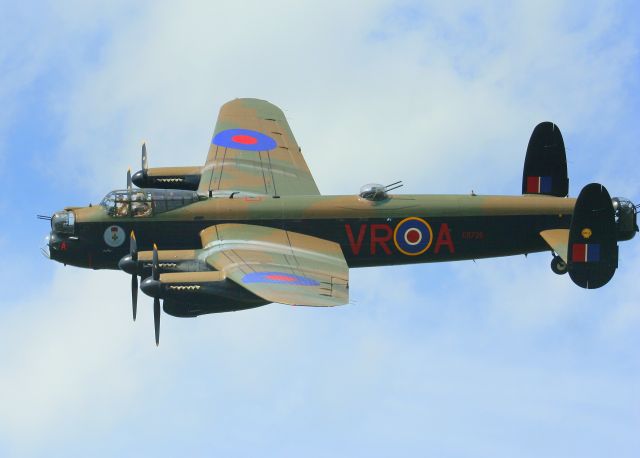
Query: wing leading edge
{"points": [[253, 150], [278, 265]]}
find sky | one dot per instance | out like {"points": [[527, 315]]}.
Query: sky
{"points": [[495, 358]]}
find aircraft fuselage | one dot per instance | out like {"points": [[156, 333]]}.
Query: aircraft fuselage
{"points": [[402, 229]]}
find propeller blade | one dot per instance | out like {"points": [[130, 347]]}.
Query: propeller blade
{"points": [[155, 274], [129, 182], [134, 295], [145, 163], [155, 271], [156, 318], [133, 251], [133, 246]]}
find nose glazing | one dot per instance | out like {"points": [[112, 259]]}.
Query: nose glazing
{"points": [[45, 248], [63, 222]]}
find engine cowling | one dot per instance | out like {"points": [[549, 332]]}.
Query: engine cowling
{"points": [[190, 294], [187, 178]]}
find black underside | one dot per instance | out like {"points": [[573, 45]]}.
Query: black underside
{"points": [[364, 242]]}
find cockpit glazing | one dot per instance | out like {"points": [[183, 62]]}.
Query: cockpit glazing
{"points": [[140, 203]]}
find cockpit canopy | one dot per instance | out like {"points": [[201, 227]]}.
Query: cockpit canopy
{"points": [[146, 202]]}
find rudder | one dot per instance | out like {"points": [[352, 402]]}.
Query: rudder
{"points": [[593, 249], [545, 165]]}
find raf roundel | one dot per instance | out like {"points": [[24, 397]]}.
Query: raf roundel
{"points": [[244, 139], [413, 236], [280, 278]]}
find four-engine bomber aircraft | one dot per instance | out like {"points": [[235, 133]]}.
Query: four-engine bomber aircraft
{"points": [[250, 227]]}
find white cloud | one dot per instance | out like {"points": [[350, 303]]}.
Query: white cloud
{"points": [[432, 95], [63, 354], [407, 367]]}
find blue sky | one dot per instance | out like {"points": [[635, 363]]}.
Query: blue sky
{"points": [[494, 358]]}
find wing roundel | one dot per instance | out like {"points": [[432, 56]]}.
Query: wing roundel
{"points": [[253, 150], [278, 265]]}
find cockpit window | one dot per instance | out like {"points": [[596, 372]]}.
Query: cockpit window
{"points": [[140, 203]]}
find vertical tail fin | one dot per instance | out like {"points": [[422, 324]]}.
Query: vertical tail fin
{"points": [[593, 250], [545, 166]]}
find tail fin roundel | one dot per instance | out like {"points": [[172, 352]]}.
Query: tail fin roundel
{"points": [[545, 166]]}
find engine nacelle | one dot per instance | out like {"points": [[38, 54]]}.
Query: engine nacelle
{"points": [[187, 178], [195, 293]]}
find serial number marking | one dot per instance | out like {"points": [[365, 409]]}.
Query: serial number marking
{"points": [[473, 235]]}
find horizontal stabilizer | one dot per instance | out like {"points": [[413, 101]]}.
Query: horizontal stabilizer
{"points": [[593, 251], [558, 240], [545, 166]]}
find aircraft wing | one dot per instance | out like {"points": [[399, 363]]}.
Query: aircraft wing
{"points": [[253, 150], [278, 265]]}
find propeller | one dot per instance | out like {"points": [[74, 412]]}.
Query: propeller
{"points": [[129, 191], [145, 161], [129, 182], [155, 274], [152, 286], [140, 177], [129, 264], [133, 252]]}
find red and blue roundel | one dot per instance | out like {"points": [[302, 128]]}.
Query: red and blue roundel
{"points": [[413, 236], [244, 139], [278, 278]]}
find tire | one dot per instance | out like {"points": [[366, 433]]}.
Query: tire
{"points": [[558, 266]]}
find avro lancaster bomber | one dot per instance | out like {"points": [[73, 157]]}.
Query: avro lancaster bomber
{"points": [[250, 226]]}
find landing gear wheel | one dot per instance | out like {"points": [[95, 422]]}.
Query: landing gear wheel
{"points": [[558, 266]]}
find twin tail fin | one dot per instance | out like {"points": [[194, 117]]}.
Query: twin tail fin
{"points": [[545, 165]]}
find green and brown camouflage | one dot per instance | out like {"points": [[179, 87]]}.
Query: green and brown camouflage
{"points": [[257, 230], [279, 171], [464, 227]]}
